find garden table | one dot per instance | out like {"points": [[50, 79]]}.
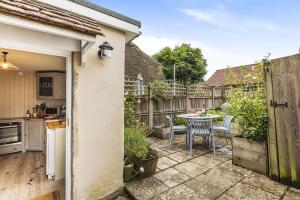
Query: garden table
{"points": [[192, 116], [198, 116]]}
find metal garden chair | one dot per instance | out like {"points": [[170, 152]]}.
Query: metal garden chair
{"points": [[201, 128], [225, 129], [174, 129]]}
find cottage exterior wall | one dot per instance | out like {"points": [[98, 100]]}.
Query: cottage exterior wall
{"points": [[97, 143]]}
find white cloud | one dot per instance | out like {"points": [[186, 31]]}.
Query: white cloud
{"points": [[216, 58], [220, 17], [214, 17]]}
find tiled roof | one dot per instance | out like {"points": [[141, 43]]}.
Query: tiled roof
{"points": [[106, 11], [219, 77], [49, 14]]}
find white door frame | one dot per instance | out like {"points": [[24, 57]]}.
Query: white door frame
{"points": [[32, 39], [69, 88]]}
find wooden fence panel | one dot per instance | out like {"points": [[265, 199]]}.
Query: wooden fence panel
{"points": [[182, 100]]}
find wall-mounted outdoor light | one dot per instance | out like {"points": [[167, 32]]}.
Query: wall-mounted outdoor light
{"points": [[105, 50]]}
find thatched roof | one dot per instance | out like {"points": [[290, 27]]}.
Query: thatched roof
{"points": [[138, 62]]}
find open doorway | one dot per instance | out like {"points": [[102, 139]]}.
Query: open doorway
{"points": [[33, 102]]}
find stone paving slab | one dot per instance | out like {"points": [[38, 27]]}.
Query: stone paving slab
{"points": [[265, 183], [161, 153], [214, 182], [225, 197], [228, 165], [206, 161], [246, 191], [191, 169], [223, 154], [164, 163], [181, 192], [156, 146], [146, 188], [198, 149], [179, 138], [125, 197], [172, 148], [162, 142], [180, 156], [292, 194], [171, 177]]}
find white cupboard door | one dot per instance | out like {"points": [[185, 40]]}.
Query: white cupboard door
{"points": [[59, 86], [35, 135], [60, 153], [50, 153]]}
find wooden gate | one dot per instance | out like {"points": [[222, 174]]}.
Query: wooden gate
{"points": [[283, 99]]}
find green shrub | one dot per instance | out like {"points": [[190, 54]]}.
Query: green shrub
{"points": [[135, 143], [180, 121], [247, 104], [217, 112]]}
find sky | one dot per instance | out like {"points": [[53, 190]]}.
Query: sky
{"points": [[229, 32]]}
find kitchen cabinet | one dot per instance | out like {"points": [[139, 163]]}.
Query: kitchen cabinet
{"points": [[34, 134], [56, 153], [51, 85]]}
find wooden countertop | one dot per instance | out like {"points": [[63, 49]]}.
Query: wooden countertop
{"points": [[56, 124], [21, 118]]}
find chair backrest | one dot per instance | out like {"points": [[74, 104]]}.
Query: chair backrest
{"points": [[227, 121], [201, 127], [169, 121]]}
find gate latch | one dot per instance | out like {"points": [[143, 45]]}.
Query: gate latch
{"points": [[275, 104]]}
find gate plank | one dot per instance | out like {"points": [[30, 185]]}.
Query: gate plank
{"points": [[293, 96], [278, 90], [272, 138]]}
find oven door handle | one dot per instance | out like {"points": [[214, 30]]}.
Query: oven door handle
{"points": [[14, 126]]}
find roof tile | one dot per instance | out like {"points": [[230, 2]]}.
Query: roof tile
{"points": [[219, 77], [46, 13]]}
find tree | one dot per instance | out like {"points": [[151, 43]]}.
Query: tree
{"points": [[189, 62]]}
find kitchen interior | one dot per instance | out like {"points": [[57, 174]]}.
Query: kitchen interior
{"points": [[32, 124]]}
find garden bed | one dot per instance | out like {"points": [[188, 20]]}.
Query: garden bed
{"points": [[249, 154]]}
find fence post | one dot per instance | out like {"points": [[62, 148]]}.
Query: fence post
{"points": [[187, 104], [213, 97], [150, 108]]}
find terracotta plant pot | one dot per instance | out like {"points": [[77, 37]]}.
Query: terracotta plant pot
{"points": [[146, 167]]}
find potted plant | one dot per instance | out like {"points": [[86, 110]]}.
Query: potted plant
{"points": [[138, 148], [163, 131], [248, 106]]}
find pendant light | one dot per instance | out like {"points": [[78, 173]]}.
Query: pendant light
{"points": [[4, 65]]}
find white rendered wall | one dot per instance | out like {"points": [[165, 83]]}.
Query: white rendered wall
{"points": [[98, 120]]}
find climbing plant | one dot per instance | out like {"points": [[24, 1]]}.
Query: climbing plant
{"points": [[159, 91], [130, 119]]}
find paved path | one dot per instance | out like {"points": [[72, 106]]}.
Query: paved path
{"points": [[204, 176]]}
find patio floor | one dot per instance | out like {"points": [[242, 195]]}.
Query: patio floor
{"points": [[204, 176]]}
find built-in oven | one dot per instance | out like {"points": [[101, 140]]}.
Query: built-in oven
{"points": [[10, 132]]}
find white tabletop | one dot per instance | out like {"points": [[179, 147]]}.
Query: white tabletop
{"points": [[198, 116]]}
